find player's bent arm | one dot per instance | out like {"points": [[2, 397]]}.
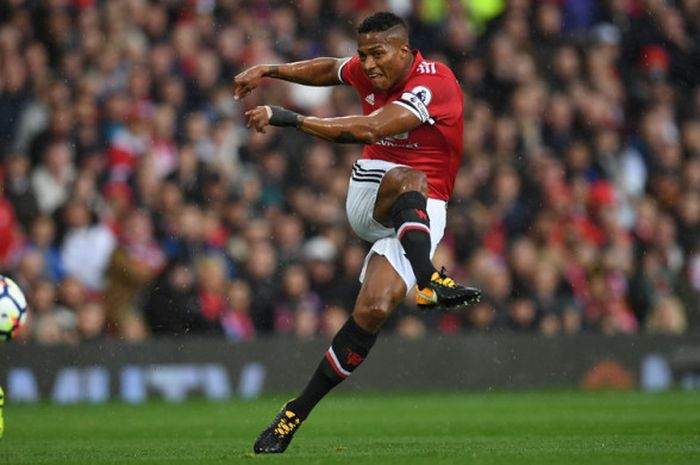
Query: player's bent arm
{"points": [[314, 72], [387, 121]]}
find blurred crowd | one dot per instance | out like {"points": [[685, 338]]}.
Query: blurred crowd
{"points": [[135, 203]]}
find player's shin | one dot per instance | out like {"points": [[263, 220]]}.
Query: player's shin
{"points": [[348, 350], [410, 219]]}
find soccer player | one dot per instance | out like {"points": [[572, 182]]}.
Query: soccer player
{"points": [[411, 126]]}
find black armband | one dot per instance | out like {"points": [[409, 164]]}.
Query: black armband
{"points": [[283, 117]]}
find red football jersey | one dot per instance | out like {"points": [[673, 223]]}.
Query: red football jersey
{"points": [[433, 94]]}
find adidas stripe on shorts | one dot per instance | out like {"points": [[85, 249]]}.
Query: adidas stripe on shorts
{"points": [[365, 180]]}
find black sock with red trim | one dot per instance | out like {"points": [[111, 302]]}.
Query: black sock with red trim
{"points": [[410, 218], [348, 350]]}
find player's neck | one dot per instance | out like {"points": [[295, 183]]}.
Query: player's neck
{"points": [[406, 72]]}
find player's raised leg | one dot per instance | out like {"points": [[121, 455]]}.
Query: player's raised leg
{"points": [[382, 291], [402, 200]]}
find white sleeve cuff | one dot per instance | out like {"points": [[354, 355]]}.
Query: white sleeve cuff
{"points": [[340, 70]]}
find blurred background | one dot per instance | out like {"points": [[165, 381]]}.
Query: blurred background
{"points": [[136, 206]]}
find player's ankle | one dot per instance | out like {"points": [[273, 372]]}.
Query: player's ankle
{"points": [[424, 275]]}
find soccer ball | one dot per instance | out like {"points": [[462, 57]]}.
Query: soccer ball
{"points": [[13, 308]]}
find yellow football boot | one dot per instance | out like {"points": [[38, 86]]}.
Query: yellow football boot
{"points": [[443, 291]]}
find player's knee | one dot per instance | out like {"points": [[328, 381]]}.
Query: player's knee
{"points": [[379, 312], [414, 180], [404, 179], [374, 311]]}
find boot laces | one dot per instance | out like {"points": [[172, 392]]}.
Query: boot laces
{"points": [[287, 424], [446, 280]]}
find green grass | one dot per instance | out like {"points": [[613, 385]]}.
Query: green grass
{"points": [[497, 428]]}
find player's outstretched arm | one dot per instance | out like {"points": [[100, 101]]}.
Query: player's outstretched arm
{"points": [[387, 121], [315, 72]]}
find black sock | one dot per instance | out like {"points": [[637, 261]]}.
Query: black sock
{"points": [[412, 227], [348, 350]]}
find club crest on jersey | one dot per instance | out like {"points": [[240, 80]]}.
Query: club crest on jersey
{"points": [[423, 93], [370, 99]]}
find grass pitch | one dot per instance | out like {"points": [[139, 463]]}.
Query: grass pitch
{"points": [[496, 428]]}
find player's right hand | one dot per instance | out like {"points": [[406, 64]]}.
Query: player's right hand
{"points": [[259, 118], [246, 81]]}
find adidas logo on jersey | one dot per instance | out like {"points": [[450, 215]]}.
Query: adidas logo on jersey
{"points": [[370, 99]]}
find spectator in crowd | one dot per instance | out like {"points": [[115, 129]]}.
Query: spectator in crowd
{"points": [[133, 329], [42, 238], [667, 316], [135, 262], [51, 180], [10, 233], [211, 279], [236, 322], [173, 306], [90, 322], [261, 272], [86, 247], [18, 188], [522, 314], [320, 257], [289, 237], [54, 319], [295, 298]]}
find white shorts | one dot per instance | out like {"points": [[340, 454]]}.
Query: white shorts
{"points": [[365, 180]]}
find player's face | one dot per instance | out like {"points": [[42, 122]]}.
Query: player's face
{"points": [[383, 60]]}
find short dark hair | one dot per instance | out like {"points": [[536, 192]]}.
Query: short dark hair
{"points": [[379, 22]]}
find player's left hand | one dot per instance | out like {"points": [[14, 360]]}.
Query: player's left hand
{"points": [[244, 83], [259, 117]]}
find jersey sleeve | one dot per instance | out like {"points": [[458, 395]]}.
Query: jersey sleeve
{"points": [[348, 71], [413, 102], [431, 97]]}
